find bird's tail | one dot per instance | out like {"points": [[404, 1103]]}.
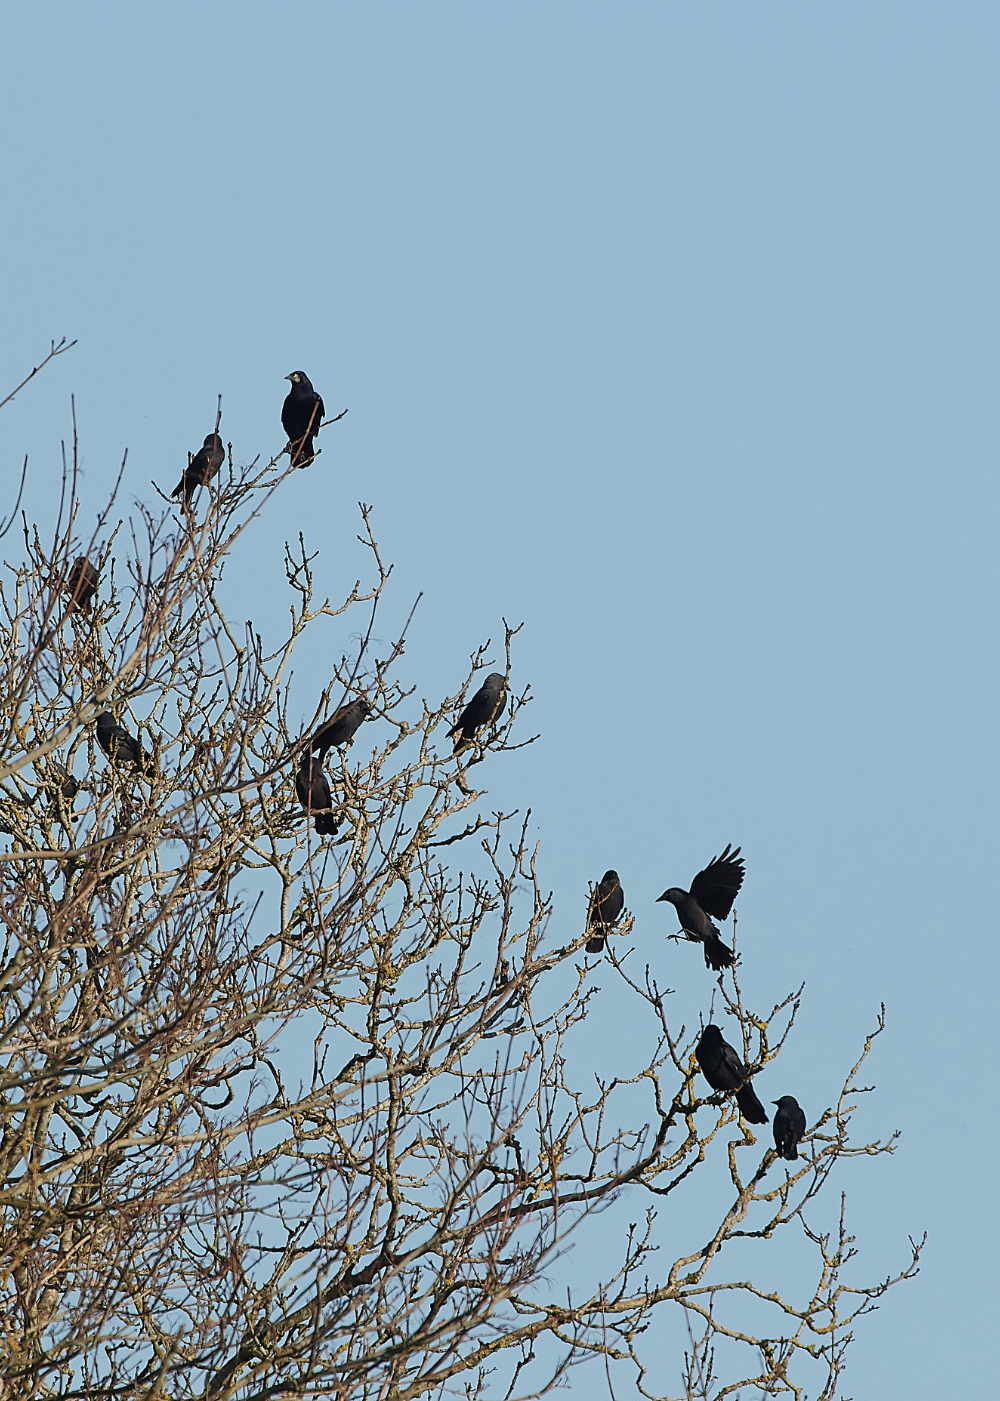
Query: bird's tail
{"points": [[596, 945], [718, 955], [790, 1152], [750, 1106], [325, 825]]}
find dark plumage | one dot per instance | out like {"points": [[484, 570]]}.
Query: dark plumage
{"points": [[482, 710], [121, 747], [712, 892], [789, 1126], [301, 416], [341, 726], [313, 792], [81, 584], [606, 905], [202, 468], [724, 1070]]}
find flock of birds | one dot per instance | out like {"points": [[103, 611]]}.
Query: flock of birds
{"points": [[712, 892], [711, 896]]}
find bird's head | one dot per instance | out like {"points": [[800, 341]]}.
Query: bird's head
{"points": [[211, 440], [785, 1102], [711, 1033], [298, 377], [609, 878], [674, 894]]}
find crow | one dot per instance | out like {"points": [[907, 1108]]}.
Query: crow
{"points": [[712, 892], [341, 727], [724, 1070], [482, 709], [606, 905], [789, 1126], [201, 469], [313, 792], [301, 416], [120, 747], [81, 584]]}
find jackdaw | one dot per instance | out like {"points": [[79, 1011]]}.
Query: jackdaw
{"points": [[120, 747], [202, 468], [606, 905], [301, 416], [341, 727], [482, 709], [313, 792], [789, 1126], [81, 584], [724, 1070], [712, 892]]}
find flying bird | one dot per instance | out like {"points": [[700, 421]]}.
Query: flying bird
{"points": [[81, 584], [301, 416], [606, 905], [789, 1126], [341, 726], [313, 792], [724, 1070], [712, 893], [201, 469], [482, 710], [121, 747]]}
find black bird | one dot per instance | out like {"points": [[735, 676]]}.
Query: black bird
{"points": [[301, 416], [789, 1126], [81, 584], [313, 792], [724, 1070], [341, 727], [482, 709], [202, 468], [120, 747], [712, 892], [606, 905]]}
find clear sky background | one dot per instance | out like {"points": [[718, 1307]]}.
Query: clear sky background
{"points": [[672, 331]]}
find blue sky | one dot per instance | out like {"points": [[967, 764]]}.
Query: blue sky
{"points": [[670, 330]]}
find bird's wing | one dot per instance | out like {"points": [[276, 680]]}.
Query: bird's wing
{"points": [[717, 886], [320, 412]]}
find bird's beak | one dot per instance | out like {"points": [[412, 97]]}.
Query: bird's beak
{"points": [[775, 1103], [288, 377], [660, 898]]}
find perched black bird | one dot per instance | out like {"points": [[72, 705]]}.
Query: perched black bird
{"points": [[724, 1070], [482, 710], [712, 892], [120, 747], [789, 1126], [301, 415], [202, 468], [341, 727], [313, 792], [606, 905], [81, 584]]}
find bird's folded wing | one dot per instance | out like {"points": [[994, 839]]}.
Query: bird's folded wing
{"points": [[717, 886]]}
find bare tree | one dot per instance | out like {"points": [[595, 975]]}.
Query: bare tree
{"points": [[293, 1116]]}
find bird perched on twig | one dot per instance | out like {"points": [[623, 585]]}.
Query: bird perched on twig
{"points": [[81, 584], [301, 416], [724, 1070], [482, 710], [712, 892], [312, 789], [202, 468], [121, 747], [606, 905], [789, 1126], [341, 727]]}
